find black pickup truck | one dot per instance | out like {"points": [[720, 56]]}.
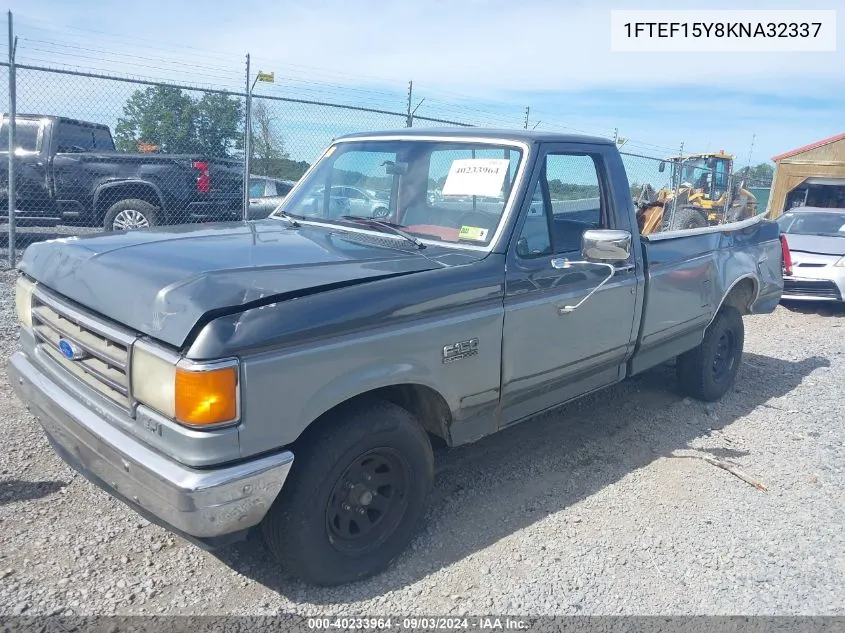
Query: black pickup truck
{"points": [[69, 172]]}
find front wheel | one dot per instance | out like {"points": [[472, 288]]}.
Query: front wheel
{"points": [[688, 218], [358, 488], [707, 372]]}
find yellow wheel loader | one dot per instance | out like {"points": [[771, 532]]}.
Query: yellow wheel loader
{"points": [[707, 194]]}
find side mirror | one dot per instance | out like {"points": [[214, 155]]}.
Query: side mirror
{"points": [[661, 167], [601, 245]]}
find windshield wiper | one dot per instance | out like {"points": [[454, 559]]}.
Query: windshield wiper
{"points": [[386, 226], [288, 217]]}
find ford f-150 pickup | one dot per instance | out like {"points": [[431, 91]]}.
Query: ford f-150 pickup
{"points": [[68, 171], [289, 374]]}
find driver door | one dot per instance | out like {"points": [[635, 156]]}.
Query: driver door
{"points": [[550, 356]]}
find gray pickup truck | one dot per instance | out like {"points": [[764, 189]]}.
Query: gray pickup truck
{"points": [[289, 374]]}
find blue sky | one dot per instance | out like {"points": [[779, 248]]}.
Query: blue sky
{"points": [[479, 61]]}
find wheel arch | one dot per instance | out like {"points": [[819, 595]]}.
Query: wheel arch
{"points": [[741, 295], [428, 406], [112, 193]]}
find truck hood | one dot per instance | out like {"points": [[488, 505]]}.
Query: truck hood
{"points": [[162, 281], [816, 244]]}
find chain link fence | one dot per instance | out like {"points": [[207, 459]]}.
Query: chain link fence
{"points": [[127, 153]]}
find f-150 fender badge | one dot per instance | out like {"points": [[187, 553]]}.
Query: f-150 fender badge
{"points": [[459, 350]]}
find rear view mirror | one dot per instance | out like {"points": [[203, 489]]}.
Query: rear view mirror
{"points": [[600, 245], [395, 169], [662, 167]]}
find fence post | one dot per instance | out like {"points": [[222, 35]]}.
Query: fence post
{"points": [[677, 187], [12, 124], [247, 141]]}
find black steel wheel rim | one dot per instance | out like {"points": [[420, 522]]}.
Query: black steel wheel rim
{"points": [[368, 501], [723, 359]]}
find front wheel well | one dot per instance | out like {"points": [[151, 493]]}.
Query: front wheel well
{"points": [[424, 403]]}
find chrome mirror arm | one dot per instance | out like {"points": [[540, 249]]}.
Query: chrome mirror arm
{"points": [[562, 263]]}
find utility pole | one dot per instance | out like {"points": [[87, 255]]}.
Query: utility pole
{"points": [[615, 135], [408, 121], [750, 153], [13, 44], [527, 110]]}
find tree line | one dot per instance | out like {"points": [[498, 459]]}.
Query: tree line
{"points": [[166, 119]]}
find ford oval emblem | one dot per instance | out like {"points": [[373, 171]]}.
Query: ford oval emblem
{"points": [[71, 350]]}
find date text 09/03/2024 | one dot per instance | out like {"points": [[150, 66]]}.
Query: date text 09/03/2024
{"points": [[419, 623], [723, 29]]}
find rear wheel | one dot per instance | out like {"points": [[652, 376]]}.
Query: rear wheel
{"points": [[357, 490], [708, 371], [130, 214]]}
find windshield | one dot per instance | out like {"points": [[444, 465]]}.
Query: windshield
{"points": [[26, 135], [695, 172], [441, 191], [816, 223]]}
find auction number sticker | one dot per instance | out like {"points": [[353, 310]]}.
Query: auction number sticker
{"points": [[476, 177]]}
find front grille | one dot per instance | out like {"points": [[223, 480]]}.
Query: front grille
{"points": [[812, 288], [105, 365]]}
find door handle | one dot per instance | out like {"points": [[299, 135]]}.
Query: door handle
{"points": [[623, 269]]}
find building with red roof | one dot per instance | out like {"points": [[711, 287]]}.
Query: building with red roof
{"points": [[811, 175]]}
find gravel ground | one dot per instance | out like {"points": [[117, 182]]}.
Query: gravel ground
{"points": [[584, 510]]}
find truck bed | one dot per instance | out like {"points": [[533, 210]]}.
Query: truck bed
{"points": [[688, 274]]}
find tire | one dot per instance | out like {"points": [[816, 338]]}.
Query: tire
{"points": [[708, 371], [317, 527], [130, 214], [688, 218], [380, 212]]}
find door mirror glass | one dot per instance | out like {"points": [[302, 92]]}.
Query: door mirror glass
{"points": [[605, 245]]}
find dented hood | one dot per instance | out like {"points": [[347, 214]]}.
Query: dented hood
{"points": [[161, 282]]}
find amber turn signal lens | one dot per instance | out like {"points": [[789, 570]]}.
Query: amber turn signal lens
{"points": [[206, 397]]}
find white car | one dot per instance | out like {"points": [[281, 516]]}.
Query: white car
{"points": [[816, 239]]}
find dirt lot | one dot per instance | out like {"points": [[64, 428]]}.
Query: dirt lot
{"points": [[584, 510]]}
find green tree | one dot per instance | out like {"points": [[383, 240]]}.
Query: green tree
{"points": [[173, 122], [158, 115], [758, 176], [218, 124]]}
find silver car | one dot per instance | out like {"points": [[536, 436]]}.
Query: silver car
{"points": [[265, 194], [816, 238]]}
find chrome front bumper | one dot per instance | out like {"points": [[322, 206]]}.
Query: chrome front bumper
{"points": [[202, 505]]}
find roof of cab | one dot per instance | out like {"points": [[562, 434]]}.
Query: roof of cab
{"points": [[526, 136]]}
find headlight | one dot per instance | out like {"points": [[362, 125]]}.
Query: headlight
{"points": [[840, 262], [23, 301], [191, 393]]}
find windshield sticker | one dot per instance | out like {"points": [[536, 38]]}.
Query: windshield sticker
{"points": [[473, 233], [476, 177]]}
